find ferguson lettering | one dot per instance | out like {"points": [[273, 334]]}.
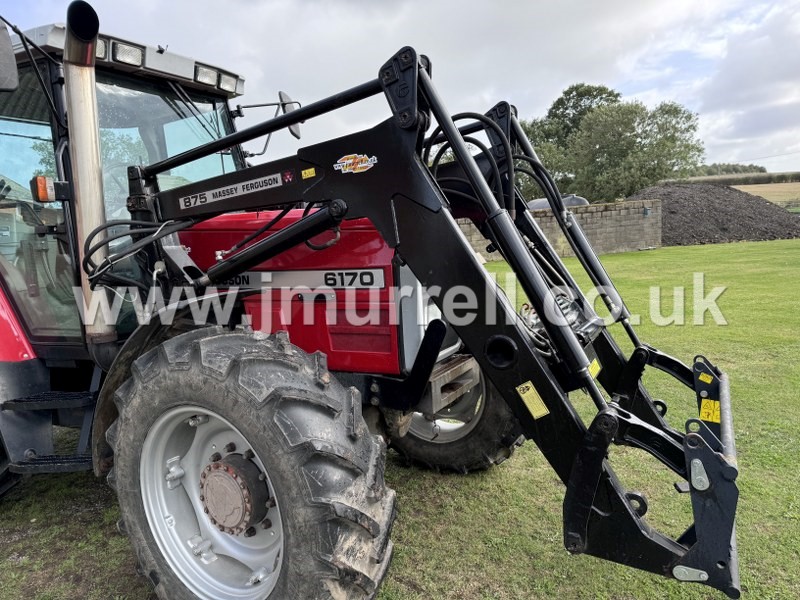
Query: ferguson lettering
{"points": [[247, 187]]}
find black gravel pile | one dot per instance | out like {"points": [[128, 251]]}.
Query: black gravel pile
{"points": [[703, 213]]}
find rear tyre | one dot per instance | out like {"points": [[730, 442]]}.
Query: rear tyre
{"points": [[243, 470], [474, 433]]}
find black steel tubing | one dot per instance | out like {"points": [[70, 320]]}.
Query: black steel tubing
{"points": [[297, 233], [315, 109], [507, 237], [581, 246], [451, 133]]}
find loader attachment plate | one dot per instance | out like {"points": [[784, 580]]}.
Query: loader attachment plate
{"points": [[601, 518]]}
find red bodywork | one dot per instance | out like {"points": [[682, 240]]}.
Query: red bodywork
{"points": [[14, 345], [362, 348]]}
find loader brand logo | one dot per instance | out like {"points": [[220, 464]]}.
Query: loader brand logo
{"points": [[355, 163], [240, 189]]}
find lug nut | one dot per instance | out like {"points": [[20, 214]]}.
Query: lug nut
{"points": [[215, 457], [266, 524], [248, 454], [231, 447], [251, 531]]}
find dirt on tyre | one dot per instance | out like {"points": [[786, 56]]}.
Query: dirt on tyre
{"points": [[244, 470], [476, 432]]}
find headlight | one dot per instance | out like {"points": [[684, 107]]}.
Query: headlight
{"points": [[205, 75], [125, 53]]}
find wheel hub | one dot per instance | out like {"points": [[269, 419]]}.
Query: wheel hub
{"points": [[234, 494]]}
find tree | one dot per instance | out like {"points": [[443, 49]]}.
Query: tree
{"points": [[551, 134], [623, 147], [115, 148], [725, 169], [569, 109]]}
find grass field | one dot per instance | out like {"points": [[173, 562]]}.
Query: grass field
{"points": [[497, 535], [784, 194]]}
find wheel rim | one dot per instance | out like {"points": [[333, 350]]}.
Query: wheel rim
{"points": [[454, 422], [176, 469]]}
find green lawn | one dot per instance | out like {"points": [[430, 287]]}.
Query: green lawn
{"points": [[497, 535]]}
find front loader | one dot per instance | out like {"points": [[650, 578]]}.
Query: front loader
{"points": [[248, 461]]}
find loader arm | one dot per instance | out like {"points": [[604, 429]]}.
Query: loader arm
{"points": [[381, 174]]}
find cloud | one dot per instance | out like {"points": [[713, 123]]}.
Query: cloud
{"points": [[750, 107], [524, 52]]}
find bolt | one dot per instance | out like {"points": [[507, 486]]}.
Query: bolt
{"points": [[251, 531], [374, 401], [703, 394], [605, 425], [230, 447], [248, 454], [374, 388], [262, 476], [215, 457], [271, 503], [266, 524], [202, 498], [404, 116], [205, 510]]}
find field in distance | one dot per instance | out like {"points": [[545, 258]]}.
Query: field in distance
{"points": [[783, 194]]}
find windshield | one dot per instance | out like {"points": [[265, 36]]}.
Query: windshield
{"points": [[142, 122]]}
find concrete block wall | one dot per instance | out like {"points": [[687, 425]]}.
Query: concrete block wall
{"points": [[612, 227]]}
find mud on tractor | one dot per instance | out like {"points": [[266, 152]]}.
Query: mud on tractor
{"points": [[246, 445]]}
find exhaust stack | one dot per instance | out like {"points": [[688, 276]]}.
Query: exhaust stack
{"points": [[84, 134]]}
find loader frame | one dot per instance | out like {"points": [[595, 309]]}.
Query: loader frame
{"points": [[400, 195]]}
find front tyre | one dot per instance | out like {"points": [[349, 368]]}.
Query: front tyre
{"points": [[474, 433], [243, 470]]}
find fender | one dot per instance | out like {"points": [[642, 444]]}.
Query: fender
{"points": [[14, 343], [144, 338]]}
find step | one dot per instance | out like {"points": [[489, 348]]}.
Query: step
{"points": [[50, 400], [53, 463]]}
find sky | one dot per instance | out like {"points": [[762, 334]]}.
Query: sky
{"points": [[734, 62]]}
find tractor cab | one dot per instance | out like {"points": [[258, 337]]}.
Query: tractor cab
{"points": [[151, 104]]}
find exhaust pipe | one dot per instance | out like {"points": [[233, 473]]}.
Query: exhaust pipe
{"points": [[84, 146]]}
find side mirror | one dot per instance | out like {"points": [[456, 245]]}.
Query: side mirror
{"points": [[287, 106], [9, 80]]}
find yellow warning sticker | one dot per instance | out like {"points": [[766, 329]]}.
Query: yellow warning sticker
{"points": [[532, 400], [709, 411], [706, 378], [594, 368], [308, 173]]}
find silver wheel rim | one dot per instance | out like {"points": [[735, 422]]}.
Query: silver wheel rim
{"points": [[454, 422], [212, 564]]}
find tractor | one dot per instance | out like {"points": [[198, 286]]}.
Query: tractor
{"points": [[237, 345]]}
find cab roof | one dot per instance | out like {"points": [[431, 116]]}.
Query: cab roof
{"points": [[132, 57]]}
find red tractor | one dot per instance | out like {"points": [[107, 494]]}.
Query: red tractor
{"points": [[238, 344]]}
